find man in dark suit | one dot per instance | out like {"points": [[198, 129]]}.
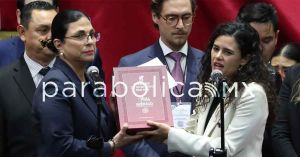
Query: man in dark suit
{"points": [[263, 18], [20, 79], [174, 26], [12, 49], [173, 19], [285, 132]]}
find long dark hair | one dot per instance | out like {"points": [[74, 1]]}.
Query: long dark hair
{"points": [[255, 70]]}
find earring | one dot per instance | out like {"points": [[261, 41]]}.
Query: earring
{"points": [[61, 54]]}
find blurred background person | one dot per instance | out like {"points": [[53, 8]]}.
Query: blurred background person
{"points": [[285, 132], [20, 79], [13, 48], [288, 56], [233, 49], [263, 18]]}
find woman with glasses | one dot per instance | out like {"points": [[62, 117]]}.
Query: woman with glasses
{"points": [[64, 107], [234, 50]]}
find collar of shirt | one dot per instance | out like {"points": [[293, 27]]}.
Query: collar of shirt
{"points": [[35, 67], [166, 50]]}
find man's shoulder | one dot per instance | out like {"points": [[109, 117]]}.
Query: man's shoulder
{"points": [[10, 50], [9, 67], [196, 52], [8, 42], [142, 52], [6, 71], [138, 57]]}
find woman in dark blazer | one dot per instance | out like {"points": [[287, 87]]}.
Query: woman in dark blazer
{"points": [[285, 133], [64, 107]]}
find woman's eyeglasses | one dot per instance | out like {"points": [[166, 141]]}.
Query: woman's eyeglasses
{"points": [[85, 37]]}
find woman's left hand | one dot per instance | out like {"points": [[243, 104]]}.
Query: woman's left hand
{"points": [[159, 134]]}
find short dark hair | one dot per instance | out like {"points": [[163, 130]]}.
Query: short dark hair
{"points": [[156, 7], [60, 25], [258, 12], [26, 12], [21, 4]]}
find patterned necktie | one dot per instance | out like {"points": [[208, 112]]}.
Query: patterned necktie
{"points": [[177, 72], [44, 71]]}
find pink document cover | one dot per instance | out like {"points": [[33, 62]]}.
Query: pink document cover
{"points": [[151, 100]]}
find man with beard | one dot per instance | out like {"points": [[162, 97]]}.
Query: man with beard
{"points": [[173, 19]]}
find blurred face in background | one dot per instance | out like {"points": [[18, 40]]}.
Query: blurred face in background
{"points": [[268, 38], [39, 28], [174, 22], [282, 64]]}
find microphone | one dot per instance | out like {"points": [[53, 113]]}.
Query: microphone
{"points": [[93, 74], [95, 80], [215, 83], [216, 77], [96, 142]]}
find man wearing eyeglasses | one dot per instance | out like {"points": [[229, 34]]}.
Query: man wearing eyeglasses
{"points": [[174, 20]]}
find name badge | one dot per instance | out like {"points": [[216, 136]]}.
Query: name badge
{"points": [[181, 113]]}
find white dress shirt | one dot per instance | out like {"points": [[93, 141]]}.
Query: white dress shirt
{"points": [[171, 63], [34, 69]]}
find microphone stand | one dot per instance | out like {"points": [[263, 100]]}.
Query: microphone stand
{"points": [[96, 142], [220, 152], [100, 136]]}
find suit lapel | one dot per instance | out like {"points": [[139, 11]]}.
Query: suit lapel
{"points": [[212, 124], [23, 79], [157, 52], [201, 121], [88, 101], [191, 74]]}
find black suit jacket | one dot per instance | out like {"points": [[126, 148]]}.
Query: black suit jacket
{"points": [[285, 133], [17, 137]]}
